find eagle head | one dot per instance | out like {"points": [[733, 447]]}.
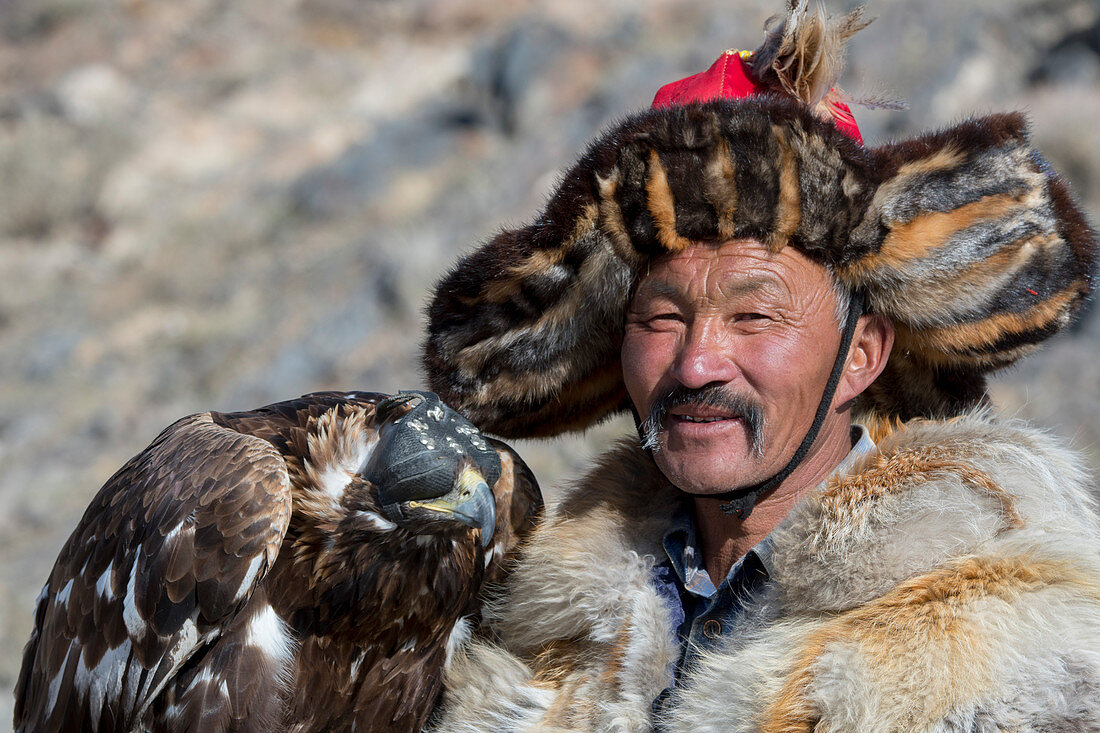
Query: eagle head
{"points": [[431, 468]]}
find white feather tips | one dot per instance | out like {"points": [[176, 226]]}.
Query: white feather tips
{"points": [[460, 634], [135, 624], [376, 521], [267, 632], [339, 449]]}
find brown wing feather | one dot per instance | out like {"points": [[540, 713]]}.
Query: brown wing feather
{"points": [[169, 549], [519, 507], [286, 424]]}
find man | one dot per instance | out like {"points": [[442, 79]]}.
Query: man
{"points": [[728, 349], [735, 268]]}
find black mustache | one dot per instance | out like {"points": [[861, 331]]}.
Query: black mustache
{"points": [[712, 395]]}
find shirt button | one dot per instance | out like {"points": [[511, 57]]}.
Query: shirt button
{"points": [[712, 629]]}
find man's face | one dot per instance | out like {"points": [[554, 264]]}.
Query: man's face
{"points": [[741, 339]]}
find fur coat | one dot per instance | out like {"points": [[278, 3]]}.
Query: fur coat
{"points": [[951, 582]]}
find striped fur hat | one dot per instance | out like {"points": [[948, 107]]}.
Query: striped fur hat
{"points": [[963, 237]]}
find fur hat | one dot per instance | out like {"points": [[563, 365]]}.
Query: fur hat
{"points": [[962, 237]]}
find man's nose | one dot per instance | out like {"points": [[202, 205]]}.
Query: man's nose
{"points": [[704, 356]]}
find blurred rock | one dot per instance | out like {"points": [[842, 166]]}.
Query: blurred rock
{"points": [[1074, 57], [94, 93]]}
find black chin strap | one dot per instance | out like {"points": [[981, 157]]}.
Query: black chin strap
{"points": [[740, 502]]}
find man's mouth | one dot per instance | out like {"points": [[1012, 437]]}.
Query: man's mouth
{"points": [[692, 418], [710, 406], [701, 413]]}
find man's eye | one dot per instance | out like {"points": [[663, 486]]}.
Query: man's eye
{"points": [[657, 319], [750, 317]]}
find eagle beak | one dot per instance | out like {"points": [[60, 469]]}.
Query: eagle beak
{"points": [[470, 502]]}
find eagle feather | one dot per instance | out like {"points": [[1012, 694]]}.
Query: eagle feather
{"points": [[803, 56]]}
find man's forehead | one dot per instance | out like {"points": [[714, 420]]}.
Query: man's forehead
{"points": [[656, 285], [735, 267]]}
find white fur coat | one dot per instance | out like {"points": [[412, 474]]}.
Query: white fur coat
{"points": [[950, 583]]}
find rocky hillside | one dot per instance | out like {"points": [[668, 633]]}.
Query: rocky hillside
{"points": [[218, 205]]}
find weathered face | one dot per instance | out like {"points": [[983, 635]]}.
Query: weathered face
{"points": [[758, 331]]}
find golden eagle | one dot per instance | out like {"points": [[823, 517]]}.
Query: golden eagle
{"points": [[305, 566]]}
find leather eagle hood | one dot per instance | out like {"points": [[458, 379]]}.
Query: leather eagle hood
{"points": [[964, 238]]}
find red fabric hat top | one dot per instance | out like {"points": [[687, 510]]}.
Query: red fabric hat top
{"points": [[728, 78]]}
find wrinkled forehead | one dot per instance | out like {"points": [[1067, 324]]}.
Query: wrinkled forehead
{"points": [[730, 268]]}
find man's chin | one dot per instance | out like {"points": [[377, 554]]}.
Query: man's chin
{"points": [[701, 473]]}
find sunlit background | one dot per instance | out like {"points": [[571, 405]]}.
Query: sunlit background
{"points": [[216, 205]]}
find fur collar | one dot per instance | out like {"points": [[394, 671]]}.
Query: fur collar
{"points": [[950, 582], [935, 492]]}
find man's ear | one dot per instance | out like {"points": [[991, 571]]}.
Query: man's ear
{"points": [[871, 344]]}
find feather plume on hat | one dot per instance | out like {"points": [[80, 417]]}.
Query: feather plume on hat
{"points": [[963, 237], [804, 55]]}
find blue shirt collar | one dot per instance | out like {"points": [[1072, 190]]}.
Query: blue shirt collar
{"points": [[683, 551]]}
